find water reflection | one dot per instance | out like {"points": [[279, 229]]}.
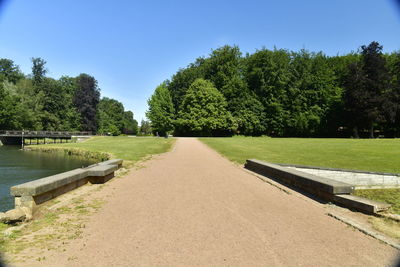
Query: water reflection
{"points": [[18, 167]]}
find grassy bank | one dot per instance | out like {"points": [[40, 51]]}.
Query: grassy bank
{"points": [[61, 220], [380, 155], [130, 149], [54, 226], [391, 196]]}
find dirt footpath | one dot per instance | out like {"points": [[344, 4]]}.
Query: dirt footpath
{"points": [[192, 207]]}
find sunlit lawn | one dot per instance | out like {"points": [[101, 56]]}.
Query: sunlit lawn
{"points": [[123, 147], [380, 155]]}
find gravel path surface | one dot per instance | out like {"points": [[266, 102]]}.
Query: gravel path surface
{"points": [[192, 207]]}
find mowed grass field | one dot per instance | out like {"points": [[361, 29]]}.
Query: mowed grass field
{"points": [[127, 148], [379, 155]]}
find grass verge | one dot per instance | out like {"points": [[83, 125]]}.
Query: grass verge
{"points": [[130, 149], [50, 230], [387, 226], [391, 196], [379, 155]]}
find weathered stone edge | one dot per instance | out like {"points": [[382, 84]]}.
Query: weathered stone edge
{"points": [[302, 180], [46, 184], [297, 179]]}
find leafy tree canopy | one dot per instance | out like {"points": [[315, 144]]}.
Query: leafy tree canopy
{"points": [[161, 110], [204, 112]]}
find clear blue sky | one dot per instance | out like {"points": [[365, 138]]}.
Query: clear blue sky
{"points": [[132, 46]]}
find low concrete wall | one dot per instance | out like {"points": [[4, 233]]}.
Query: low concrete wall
{"points": [[29, 195], [325, 188], [360, 180]]}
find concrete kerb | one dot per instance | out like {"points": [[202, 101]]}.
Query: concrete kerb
{"points": [[31, 194], [325, 188]]}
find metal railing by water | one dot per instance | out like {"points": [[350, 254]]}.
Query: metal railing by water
{"points": [[42, 133]]}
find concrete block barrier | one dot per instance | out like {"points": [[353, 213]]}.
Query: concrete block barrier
{"points": [[313, 184], [31, 194], [325, 188], [361, 204]]}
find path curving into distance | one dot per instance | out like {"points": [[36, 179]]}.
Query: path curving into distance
{"points": [[192, 207]]}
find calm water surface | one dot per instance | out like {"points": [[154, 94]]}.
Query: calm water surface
{"points": [[17, 167]]}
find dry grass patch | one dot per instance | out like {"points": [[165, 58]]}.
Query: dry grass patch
{"points": [[387, 226], [56, 223]]}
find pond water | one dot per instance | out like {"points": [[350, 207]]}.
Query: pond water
{"points": [[17, 167]]}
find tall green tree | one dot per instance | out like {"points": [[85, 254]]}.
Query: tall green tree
{"points": [[181, 81], [225, 68], [111, 116], [204, 112], [86, 99], [70, 115], [130, 124], [161, 110], [268, 73], [145, 128], [368, 83], [314, 90], [9, 71], [53, 105], [391, 102], [38, 69], [9, 116]]}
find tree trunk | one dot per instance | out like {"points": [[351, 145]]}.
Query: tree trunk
{"points": [[355, 132], [371, 131]]}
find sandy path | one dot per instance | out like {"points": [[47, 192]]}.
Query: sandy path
{"points": [[192, 207]]}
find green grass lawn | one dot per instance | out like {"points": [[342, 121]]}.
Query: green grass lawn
{"points": [[391, 196], [123, 147], [380, 155]]}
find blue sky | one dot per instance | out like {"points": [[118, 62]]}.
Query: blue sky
{"points": [[132, 46]]}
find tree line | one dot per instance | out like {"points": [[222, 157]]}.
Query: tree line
{"points": [[282, 93], [38, 102]]}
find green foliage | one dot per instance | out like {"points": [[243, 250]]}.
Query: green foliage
{"points": [[113, 120], [161, 110], [130, 125], [268, 75], [367, 89], [86, 99], [286, 93], [71, 117], [181, 81], [9, 71], [145, 128], [38, 69], [203, 112], [8, 110], [111, 116], [38, 102]]}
